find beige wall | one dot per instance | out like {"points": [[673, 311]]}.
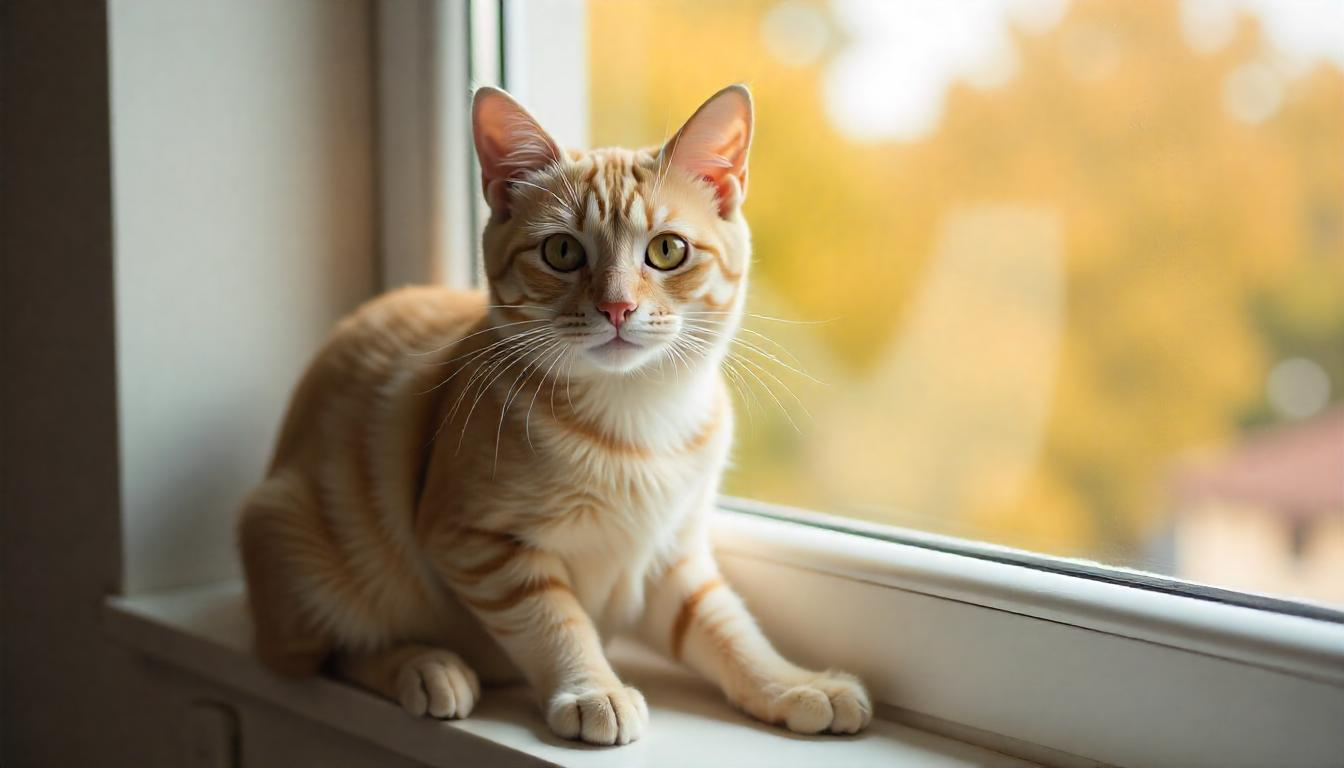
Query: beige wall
{"points": [[237, 226], [242, 138]]}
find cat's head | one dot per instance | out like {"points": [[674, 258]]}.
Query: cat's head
{"points": [[614, 260]]}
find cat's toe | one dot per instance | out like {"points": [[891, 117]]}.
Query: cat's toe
{"points": [[604, 716], [832, 702], [438, 684], [805, 709]]}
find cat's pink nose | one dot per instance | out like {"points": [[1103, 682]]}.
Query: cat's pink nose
{"points": [[617, 311]]}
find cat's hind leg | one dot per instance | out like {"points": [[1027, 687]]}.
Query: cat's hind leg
{"points": [[424, 680], [273, 527]]}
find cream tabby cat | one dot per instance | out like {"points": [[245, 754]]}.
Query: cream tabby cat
{"points": [[471, 487]]}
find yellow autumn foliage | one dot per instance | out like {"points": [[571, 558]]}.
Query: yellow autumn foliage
{"points": [[1121, 261]]}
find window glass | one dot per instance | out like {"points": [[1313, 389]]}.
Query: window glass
{"points": [[1070, 274]]}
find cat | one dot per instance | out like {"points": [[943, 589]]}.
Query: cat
{"points": [[475, 486]]}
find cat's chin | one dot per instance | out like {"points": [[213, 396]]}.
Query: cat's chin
{"points": [[618, 356]]}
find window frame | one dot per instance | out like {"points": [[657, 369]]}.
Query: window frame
{"points": [[1159, 671], [1082, 569], [1098, 671]]}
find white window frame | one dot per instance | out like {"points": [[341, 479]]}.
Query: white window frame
{"points": [[1032, 661]]}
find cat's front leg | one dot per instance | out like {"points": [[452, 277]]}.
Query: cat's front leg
{"points": [[696, 618], [526, 602]]}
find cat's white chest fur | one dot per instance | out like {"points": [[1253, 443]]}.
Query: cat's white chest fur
{"points": [[630, 496]]}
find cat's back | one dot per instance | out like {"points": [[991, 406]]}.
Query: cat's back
{"points": [[379, 363]]}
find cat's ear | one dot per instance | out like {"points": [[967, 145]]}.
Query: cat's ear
{"points": [[509, 142], [713, 145]]}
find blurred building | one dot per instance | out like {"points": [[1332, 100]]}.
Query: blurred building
{"points": [[1266, 515]]}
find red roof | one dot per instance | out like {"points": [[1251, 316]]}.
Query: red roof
{"points": [[1296, 468]]}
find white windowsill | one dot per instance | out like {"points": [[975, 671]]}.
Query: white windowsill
{"points": [[1055, 668], [205, 630]]}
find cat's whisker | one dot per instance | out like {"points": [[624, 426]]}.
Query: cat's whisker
{"points": [[735, 361], [746, 361], [466, 387], [483, 368], [470, 357], [492, 347], [547, 191], [758, 334], [527, 420], [571, 190], [569, 369], [555, 381], [679, 357], [764, 317], [658, 178], [740, 384], [777, 380], [505, 342], [505, 357], [504, 366], [775, 397], [519, 382], [558, 160], [691, 344], [753, 348], [456, 342], [510, 394], [772, 358], [745, 391], [526, 333], [676, 140]]}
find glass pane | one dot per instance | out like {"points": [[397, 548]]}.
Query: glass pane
{"points": [[1071, 274]]}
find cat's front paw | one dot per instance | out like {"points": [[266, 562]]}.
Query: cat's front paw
{"points": [[439, 684], [827, 702], [598, 715]]}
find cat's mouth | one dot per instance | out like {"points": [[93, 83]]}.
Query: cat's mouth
{"points": [[616, 344], [618, 354]]}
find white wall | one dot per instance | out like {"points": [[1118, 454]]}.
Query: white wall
{"points": [[243, 189]]}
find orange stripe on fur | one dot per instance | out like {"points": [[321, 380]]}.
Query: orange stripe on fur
{"points": [[717, 305], [719, 259], [476, 573], [682, 285], [634, 450], [518, 595], [485, 533], [687, 614], [510, 258]]}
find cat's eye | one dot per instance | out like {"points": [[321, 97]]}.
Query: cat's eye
{"points": [[666, 252], [563, 253]]}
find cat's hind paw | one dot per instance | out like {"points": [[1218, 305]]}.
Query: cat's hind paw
{"points": [[605, 716], [439, 684]]}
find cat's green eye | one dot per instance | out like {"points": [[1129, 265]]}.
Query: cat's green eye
{"points": [[666, 252], [563, 253]]}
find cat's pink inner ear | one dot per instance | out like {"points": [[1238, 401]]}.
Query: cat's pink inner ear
{"points": [[714, 143], [509, 142]]}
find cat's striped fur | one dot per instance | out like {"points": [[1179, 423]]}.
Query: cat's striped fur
{"points": [[491, 486]]}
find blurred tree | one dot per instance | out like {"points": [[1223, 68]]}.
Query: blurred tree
{"points": [[1199, 248]]}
